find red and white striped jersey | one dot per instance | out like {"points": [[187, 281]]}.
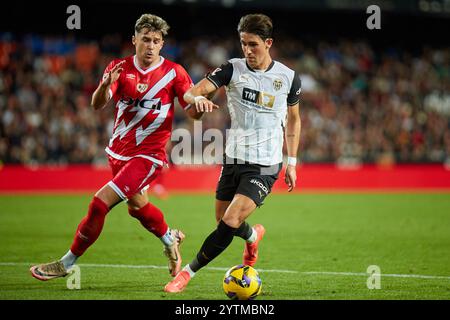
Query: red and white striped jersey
{"points": [[145, 108]]}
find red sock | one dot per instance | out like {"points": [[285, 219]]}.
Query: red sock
{"points": [[90, 227], [151, 218]]}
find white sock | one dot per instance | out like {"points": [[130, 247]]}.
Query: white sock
{"points": [[253, 236], [167, 239], [189, 270], [69, 260]]}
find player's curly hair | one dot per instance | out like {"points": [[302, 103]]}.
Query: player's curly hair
{"points": [[256, 23], [153, 23]]}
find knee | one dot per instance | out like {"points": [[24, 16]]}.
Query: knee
{"points": [[235, 215], [98, 207], [146, 214], [136, 204], [135, 211], [231, 220]]}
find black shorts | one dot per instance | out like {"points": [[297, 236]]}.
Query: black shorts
{"points": [[252, 180]]}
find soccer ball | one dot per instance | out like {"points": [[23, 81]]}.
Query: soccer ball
{"points": [[242, 282]]}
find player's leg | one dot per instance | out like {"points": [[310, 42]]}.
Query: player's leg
{"points": [[86, 234], [129, 178], [152, 219], [148, 215], [91, 225], [256, 183], [226, 189], [221, 208], [245, 231], [239, 209]]}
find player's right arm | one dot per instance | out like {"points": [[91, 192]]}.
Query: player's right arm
{"points": [[102, 94], [200, 95]]}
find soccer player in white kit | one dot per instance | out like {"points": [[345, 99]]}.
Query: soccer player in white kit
{"points": [[263, 101]]}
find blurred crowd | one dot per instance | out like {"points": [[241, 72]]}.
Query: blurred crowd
{"points": [[358, 103]]}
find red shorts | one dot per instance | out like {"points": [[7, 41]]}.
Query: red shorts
{"points": [[132, 176]]}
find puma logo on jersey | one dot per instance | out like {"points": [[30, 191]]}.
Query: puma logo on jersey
{"points": [[243, 78]]}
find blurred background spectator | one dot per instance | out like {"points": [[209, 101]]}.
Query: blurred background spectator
{"points": [[360, 101]]}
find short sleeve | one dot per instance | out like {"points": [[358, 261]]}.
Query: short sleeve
{"points": [[221, 76], [183, 83], [294, 94]]}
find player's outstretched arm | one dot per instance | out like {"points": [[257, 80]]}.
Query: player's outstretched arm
{"points": [[101, 95], [292, 136], [199, 96]]}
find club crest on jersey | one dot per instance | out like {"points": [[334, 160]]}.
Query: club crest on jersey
{"points": [[277, 84], [141, 87]]}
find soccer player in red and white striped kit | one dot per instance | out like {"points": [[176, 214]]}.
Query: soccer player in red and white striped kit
{"points": [[143, 87]]}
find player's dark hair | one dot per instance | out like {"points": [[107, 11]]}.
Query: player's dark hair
{"points": [[256, 23], [152, 23]]}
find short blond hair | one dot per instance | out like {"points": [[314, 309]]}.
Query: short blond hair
{"points": [[152, 23]]}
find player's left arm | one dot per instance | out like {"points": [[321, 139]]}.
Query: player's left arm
{"points": [[292, 132], [292, 138]]}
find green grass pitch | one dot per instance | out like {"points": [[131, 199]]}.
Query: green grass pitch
{"points": [[317, 246]]}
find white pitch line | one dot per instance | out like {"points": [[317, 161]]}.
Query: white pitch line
{"points": [[262, 270], [125, 266], [420, 276]]}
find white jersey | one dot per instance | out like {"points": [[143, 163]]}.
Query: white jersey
{"points": [[257, 102]]}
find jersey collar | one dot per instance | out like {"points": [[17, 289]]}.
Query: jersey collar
{"points": [[270, 67], [149, 69]]}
